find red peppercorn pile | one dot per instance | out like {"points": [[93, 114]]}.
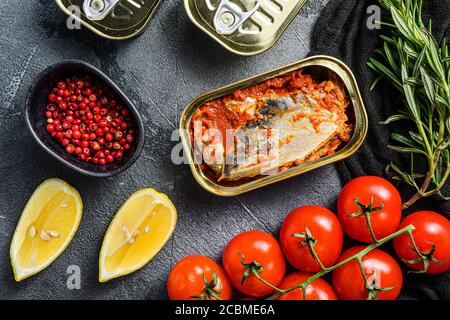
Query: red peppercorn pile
{"points": [[85, 118]]}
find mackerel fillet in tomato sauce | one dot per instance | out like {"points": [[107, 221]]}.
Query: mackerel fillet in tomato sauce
{"points": [[270, 127]]}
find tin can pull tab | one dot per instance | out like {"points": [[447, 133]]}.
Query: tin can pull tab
{"points": [[98, 9], [228, 18]]}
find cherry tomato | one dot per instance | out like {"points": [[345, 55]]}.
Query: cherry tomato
{"points": [[326, 232], [260, 252], [386, 208], [319, 289], [432, 229], [381, 270], [198, 278]]}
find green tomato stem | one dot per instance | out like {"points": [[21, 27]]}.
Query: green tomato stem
{"points": [[408, 229], [266, 282]]}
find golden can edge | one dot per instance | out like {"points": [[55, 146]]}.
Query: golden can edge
{"points": [[232, 46], [360, 130], [91, 25]]}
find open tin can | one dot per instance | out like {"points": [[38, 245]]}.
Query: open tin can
{"points": [[111, 19], [317, 66], [245, 27]]}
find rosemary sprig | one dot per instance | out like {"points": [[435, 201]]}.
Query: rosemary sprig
{"points": [[413, 61]]}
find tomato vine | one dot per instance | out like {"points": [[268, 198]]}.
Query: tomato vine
{"points": [[372, 294]]}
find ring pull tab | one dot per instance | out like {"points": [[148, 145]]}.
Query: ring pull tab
{"points": [[228, 19], [98, 9]]}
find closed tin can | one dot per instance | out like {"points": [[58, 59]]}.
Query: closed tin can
{"points": [[317, 67], [111, 19], [245, 27]]}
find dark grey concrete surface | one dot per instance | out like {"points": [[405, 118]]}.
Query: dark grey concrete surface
{"points": [[171, 63]]}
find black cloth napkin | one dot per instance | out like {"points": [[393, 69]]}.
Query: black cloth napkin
{"points": [[342, 32]]}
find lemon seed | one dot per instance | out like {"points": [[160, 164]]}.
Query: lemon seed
{"points": [[45, 236], [132, 240], [54, 234], [147, 229], [32, 232], [137, 234]]}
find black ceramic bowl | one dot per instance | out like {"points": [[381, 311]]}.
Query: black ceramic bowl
{"points": [[35, 117]]}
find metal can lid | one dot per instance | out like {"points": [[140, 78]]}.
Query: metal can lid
{"points": [[245, 27], [112, 19]]}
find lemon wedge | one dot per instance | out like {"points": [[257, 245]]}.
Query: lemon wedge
{"points": [[140, 229], [46, 227]]}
